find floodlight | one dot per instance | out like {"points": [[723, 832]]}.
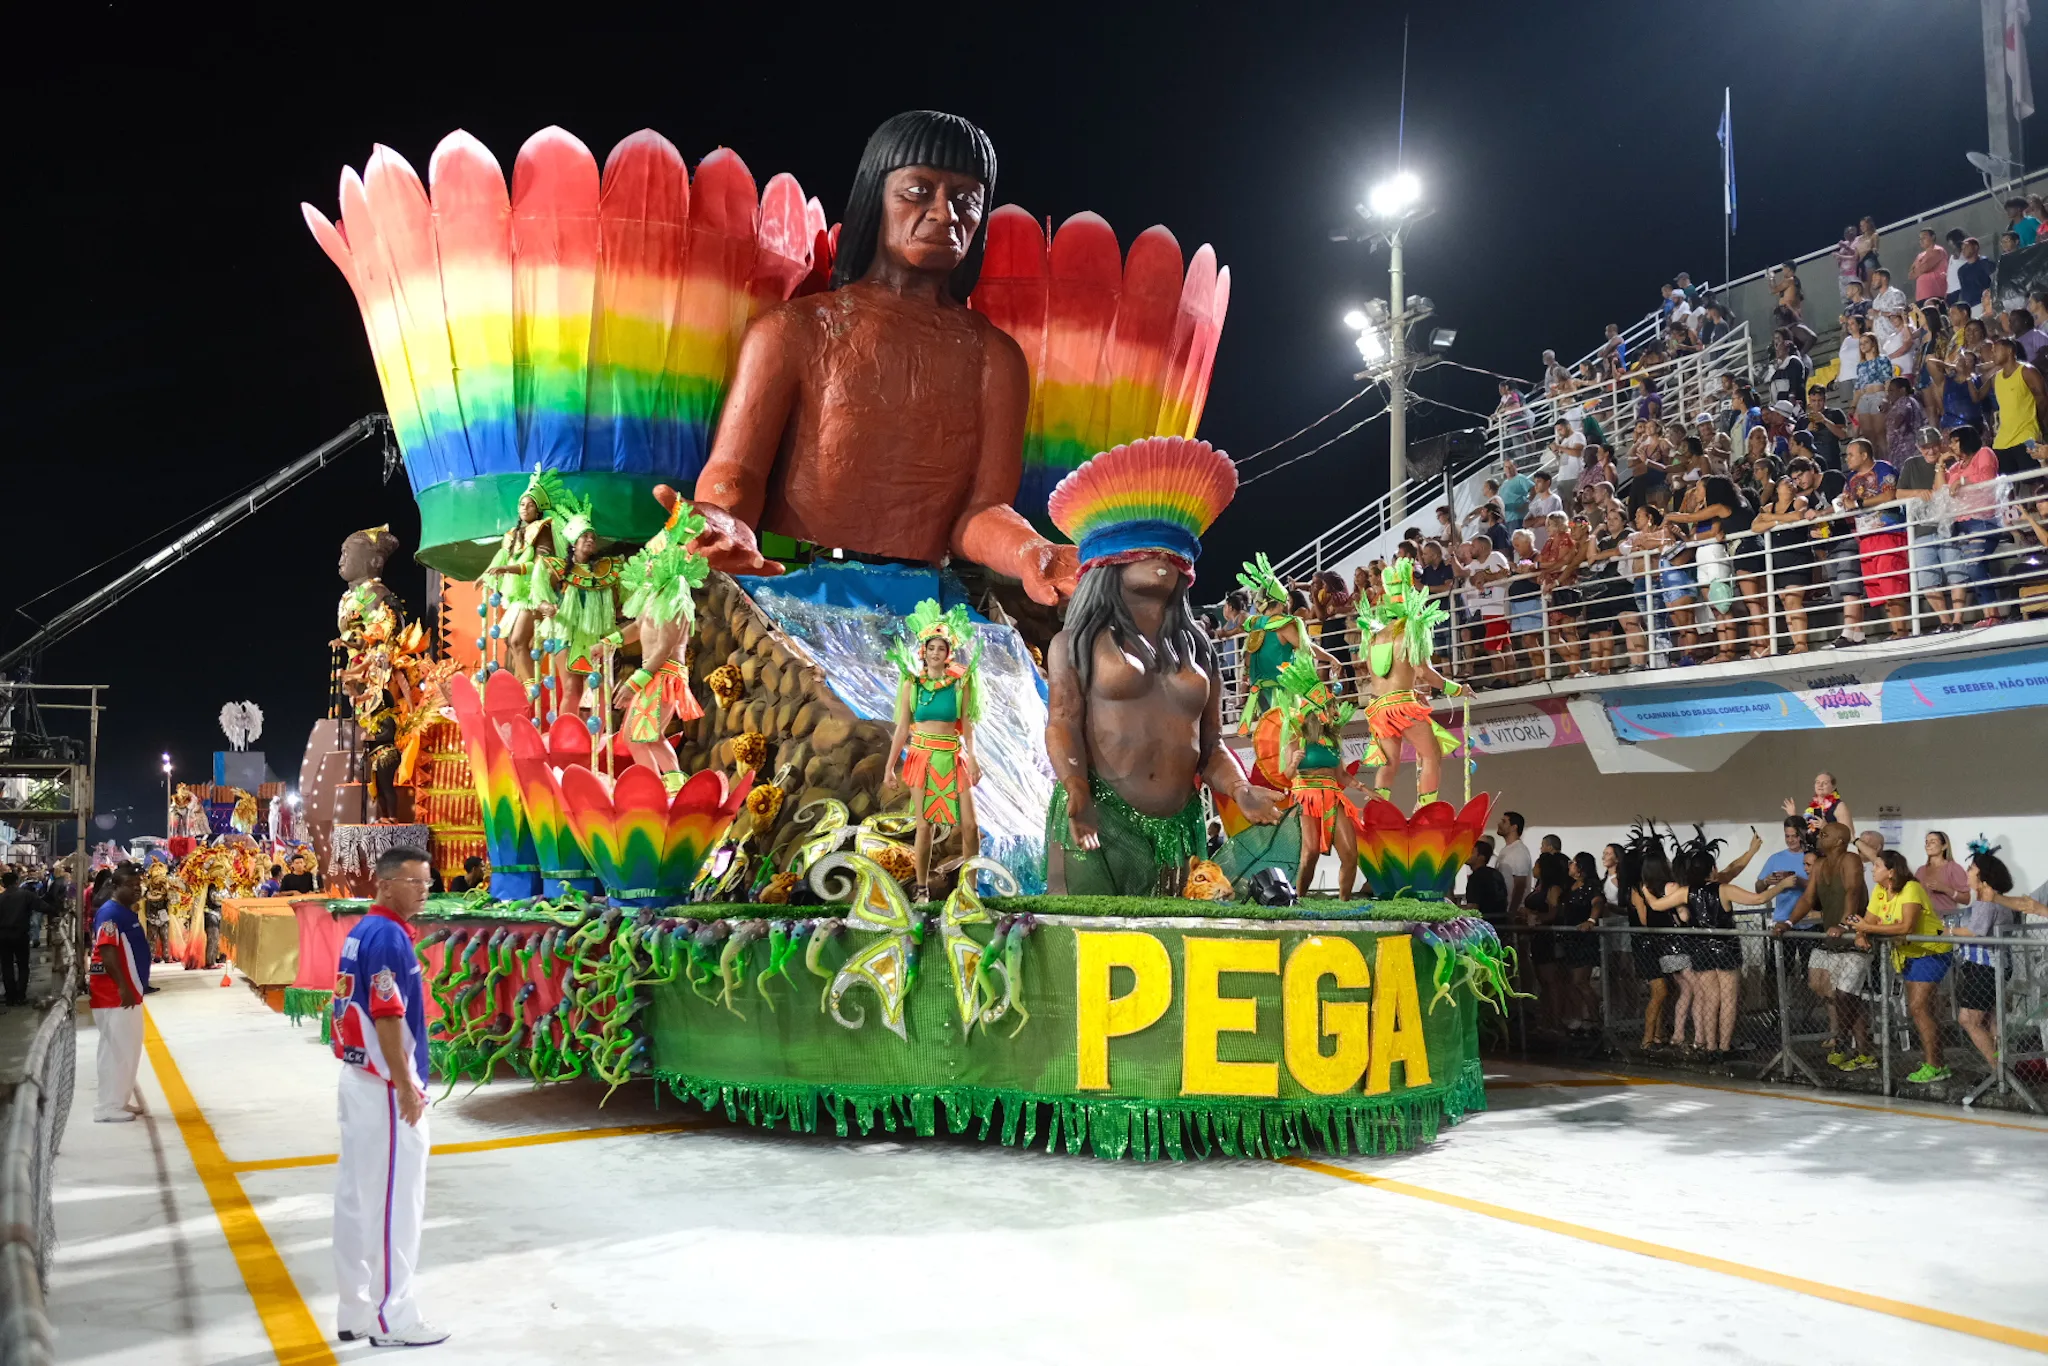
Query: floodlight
{"points": [[1396, 195], [1440, 339], [1355, 320]]}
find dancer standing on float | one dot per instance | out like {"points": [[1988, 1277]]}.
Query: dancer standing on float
{"points": [[936, 708], [1311, 757], [658, 582], [1136, 703], [1272, 635], [579, 598], [509, 580], [1397, 634]]}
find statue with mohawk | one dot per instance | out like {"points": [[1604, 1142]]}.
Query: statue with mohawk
{"points": [[1136, 708]]}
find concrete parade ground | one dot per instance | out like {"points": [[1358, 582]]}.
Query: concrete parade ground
{"points": [[1584, 1217]]}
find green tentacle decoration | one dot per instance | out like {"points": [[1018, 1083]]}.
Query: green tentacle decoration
{"points": [[732, 963]]}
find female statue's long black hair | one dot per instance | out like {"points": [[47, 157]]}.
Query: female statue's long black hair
{"points": [[920, 137], [1098, 604]]}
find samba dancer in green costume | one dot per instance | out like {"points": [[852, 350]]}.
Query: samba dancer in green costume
{"points": [[1396, 632], [936, 708], [579, 599], [509, 579], [1312, 721], [1271, 636]]}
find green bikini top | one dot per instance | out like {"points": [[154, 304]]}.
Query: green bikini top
{"points": [[936, 704], [1320, 756]]}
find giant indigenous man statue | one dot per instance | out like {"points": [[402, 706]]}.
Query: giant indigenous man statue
{"points": [[1136, 713], [883, 416]]}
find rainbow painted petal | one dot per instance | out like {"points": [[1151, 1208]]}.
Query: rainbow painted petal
{"points": [[506, 838], [1418, 855], [1119, 348], [547, 814], [703, 809]]}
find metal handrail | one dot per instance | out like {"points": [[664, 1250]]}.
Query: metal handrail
{"points": [[36, 1117], [1773, 997], [1752, 555], [1681, 380]]}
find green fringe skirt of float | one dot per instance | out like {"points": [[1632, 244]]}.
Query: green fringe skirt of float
{"points": [[305, 1003], [1110, 1127]]}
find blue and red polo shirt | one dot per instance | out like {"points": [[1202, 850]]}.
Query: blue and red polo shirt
{"points": [[379, 978], [115, 926]]}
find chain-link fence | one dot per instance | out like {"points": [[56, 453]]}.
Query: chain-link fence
{"points": [[31, 1128], [1948, 1020]]}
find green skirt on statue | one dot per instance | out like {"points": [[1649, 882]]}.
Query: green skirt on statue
{"points": [[1139, 854]]}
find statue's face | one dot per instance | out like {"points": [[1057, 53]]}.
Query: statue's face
{"points": [[929, 217], [359, 559], [1152, 577]]}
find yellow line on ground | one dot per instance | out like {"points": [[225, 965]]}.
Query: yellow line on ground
{"points": [[294, 1336], [1915, 1313], [485, 1145]]}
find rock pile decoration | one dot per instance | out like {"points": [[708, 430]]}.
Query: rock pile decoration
{"points": [[767, 701]]}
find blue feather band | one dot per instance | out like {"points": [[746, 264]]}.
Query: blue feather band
{"points": [[1124, 538]]}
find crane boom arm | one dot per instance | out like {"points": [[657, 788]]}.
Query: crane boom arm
{"points": [[212, 524]]}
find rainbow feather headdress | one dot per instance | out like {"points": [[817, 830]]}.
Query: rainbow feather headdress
{"points": [[1151, 497]]}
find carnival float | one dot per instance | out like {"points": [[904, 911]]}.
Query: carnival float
{"points": [[814, 667]]}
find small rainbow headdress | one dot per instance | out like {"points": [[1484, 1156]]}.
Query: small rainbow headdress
{"points": [[1155, 496]]}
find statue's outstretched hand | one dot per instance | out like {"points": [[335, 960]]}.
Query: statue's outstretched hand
{"points": [[1082, 828], [729, 544], [1258, 805], [1049, 571]]}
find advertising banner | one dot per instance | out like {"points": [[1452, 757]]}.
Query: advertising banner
{"points": [[1854, 694]]}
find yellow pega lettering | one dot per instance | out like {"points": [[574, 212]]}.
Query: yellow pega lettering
{"points": [[1206, 1012], [1396, 1017], [1098, 1017], [1307, 1019]]}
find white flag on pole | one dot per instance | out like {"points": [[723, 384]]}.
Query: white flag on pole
{"points": [[2017, 77]]}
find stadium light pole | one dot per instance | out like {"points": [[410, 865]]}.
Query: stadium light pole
{"points": [[1392, 203], [168, 808]]}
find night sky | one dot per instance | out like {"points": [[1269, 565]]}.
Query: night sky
{"points": [[177, 333]]}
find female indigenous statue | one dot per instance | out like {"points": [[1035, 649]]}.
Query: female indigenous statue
{"points": [[579, 599], [1136, 708], [1396, 631], [658, 581], [509, 579], [936, 708], [884, 416], [1311, 755]]}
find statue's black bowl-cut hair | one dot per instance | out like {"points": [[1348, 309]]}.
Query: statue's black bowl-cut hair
{"points": [[920, 137]]}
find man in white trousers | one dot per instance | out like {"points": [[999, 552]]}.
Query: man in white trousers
{"points": [[116, 979], [380, 1191]]}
